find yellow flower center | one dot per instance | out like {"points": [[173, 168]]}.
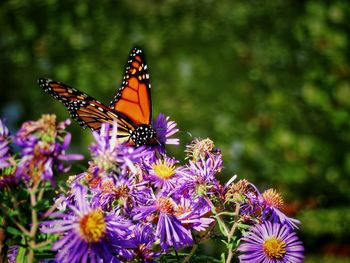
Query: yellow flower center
{"points": [[274, 248], [163, 169], [93, 226]]}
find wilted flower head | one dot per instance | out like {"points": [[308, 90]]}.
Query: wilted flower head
{"points": [[241, 191], [272, 202], [273, 198], [44, 129], [43, 144], [199, 148], [271, 242]]}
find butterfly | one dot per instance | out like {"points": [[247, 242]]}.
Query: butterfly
{"points": [[131, 108]]}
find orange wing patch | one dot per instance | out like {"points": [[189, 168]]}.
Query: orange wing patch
{"points": [[134, 96]]}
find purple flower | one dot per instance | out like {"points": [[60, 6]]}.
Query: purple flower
{"points": [[144, 238], [7, 177], [89, 234], [250, 199], [12, 253], [272, 202], [5, 156], [120, 193], [271, 242], [193, 213], [162, 173], [165, 128], [110, 155], [200, 176], [169, 230], [43, 144]]}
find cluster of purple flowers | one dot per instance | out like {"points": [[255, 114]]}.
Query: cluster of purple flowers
{"points": [[271, 237], [136, 204]]}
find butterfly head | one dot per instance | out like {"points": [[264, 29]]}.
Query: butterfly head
{"points": [[143, 135]]}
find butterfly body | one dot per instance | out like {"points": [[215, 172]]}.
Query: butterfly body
{"points": [[144, 135], [131, 108]]}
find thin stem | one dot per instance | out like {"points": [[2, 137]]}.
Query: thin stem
{"points": [[234, 226], [22, 228], [187, 258], [232, 231], [218, 217], [41, 244], [50, 210], [229, 256], [35, 223], [202, 239]]}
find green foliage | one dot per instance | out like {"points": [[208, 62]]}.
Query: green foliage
{"points": [[268, 81]]}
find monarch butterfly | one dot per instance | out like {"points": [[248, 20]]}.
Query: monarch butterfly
{"points": [[131, 107]]}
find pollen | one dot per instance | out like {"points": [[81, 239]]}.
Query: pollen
{"points": [[165, 205], [163, 169], [273, 198], [93, 226], [274, 248]]}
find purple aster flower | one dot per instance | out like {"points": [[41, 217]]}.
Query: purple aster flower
{"points": [[199, 177], [271, 242], [249, 197], [272, 202], [162, 173], [165, 128], [144, 238], [194, 213], [110, 155], [89, 234], [5, 156], [120, 193], [41, 157], [169, 230]]}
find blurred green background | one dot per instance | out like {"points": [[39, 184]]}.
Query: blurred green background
{"points": [[268, 81]]}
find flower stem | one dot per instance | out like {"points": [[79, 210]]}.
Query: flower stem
{"points": [[35, 223], [230, 235], [222, 225]]}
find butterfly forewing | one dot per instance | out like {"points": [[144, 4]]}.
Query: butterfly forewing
{"points": [[85, 109], [134, 96]]}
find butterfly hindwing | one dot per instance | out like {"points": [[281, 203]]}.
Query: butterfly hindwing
{"points": [[85, 109], [134, 96]]}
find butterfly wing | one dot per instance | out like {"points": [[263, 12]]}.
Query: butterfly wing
{"points": [[85, 109], [134, 96]]}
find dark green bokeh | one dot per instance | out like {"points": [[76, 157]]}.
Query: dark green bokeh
{"points": [[267, 81]]}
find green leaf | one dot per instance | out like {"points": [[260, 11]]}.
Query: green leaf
{"points": [[14, 231]]}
